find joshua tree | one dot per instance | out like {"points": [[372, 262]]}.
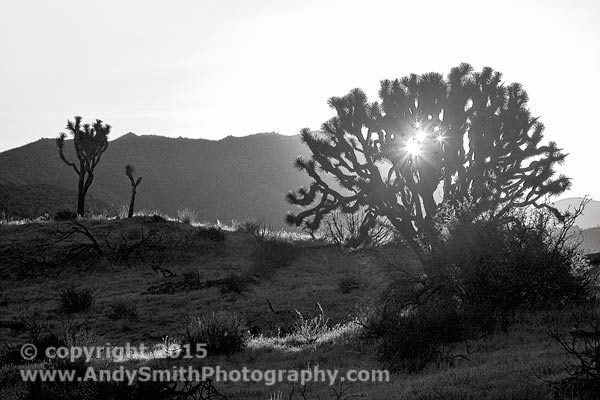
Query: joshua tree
{"points": [[467, 138], [129, 170], [90, 142]]}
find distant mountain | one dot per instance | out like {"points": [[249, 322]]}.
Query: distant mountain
{"points": [[232, 178], [591, 240], [591, 215]]}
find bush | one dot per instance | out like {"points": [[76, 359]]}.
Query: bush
{"points": [[271, 254], [187, 216], [122, 310], [503, 266], [348, 230], [222, 332], [74, 300], [310, 329], [258, 229], [37, 333], [414, 325], [65, 215], [479, 273]]}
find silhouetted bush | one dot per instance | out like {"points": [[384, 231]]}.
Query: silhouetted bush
{"points": [[37, 333], [223, 333], [75, 300], [65, 215], [258, 229], [187, 216], [347, 230], [478, 274], [413, 325], [499, 267]]}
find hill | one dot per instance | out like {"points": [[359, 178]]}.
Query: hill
{"points": [[232, 178], [591, 215], [591, 240], [183, 272]]}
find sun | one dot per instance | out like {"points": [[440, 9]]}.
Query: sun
{"points": [[420, 135], [413, 147]]}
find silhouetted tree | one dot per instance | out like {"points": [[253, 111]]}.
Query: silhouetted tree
{"points": [[129, 170], [467, 138], [90, 142]]}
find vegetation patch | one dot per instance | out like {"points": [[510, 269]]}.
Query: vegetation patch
{"points": [[75, 299], [223, 333]]}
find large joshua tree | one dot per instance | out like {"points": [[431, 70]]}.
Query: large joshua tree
{"points": [[90, 142], [431, 140]]}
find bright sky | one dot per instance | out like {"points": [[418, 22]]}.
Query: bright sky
{"points": [[208, 69]]}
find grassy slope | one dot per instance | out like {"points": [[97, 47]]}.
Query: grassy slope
{"points": [[502, 366], [311, 278]]}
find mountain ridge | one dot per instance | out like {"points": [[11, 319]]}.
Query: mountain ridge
{"points": [[221, 179], [229, 178]]}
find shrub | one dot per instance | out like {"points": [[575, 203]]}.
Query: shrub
{"points": [[65, 215], [187, 216], [271, 254], [122, 310], [212, 233], [479, 273], [414, 324], [223, 333], [310, 329], [503, 266], [347, 230], [258, 229], [74, 299], [38, 333], [348, 284]]}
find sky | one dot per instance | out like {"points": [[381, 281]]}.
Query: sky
{"points": [[209, 69]]}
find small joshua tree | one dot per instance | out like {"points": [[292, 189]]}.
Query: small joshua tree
{"points": [[90, 142], [129, 170]]}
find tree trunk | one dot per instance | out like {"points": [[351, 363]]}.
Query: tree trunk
{"points": [[81, 197], [131, 203]]}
